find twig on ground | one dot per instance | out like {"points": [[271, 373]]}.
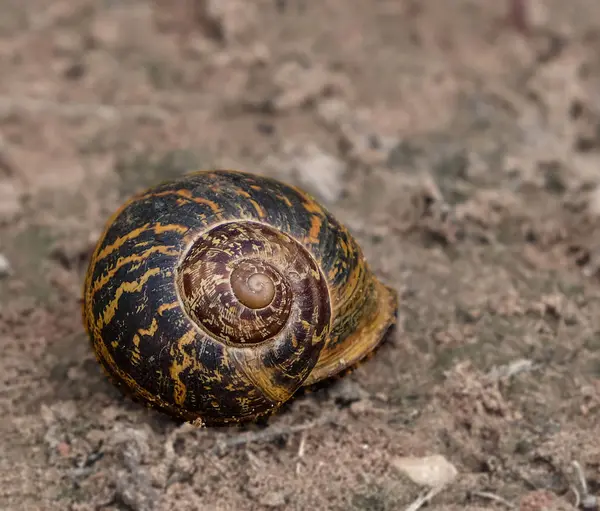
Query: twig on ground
{"points": [[254, 460], [301, 449], [269, 434], [494, 497], [423, 499], [581, 476], [10, 105], [18, 386], [573, 488], [515, 367], [302, 445], [587, 501]]}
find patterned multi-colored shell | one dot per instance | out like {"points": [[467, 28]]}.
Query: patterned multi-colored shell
{"points": [[216, 296]]}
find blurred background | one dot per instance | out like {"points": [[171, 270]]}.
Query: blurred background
{"points": [[459, 140]]}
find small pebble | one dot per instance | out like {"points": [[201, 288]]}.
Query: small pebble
{"points": [[315, 170], [590, 503], [63, 449], [226, 20], [5, 267], [272, 499], [299, 85], [347, 392], [433, 471]]}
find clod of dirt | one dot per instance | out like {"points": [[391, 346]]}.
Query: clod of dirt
{"points": [[56, 419], [478, 410], [298, 85], [358, 139], [320, 173], [294, 85], [225, 20], [74, 252], [543, 500], [135, 494], [272, 499], [135, 487], [262, 487], [347, 391], [488, 207]]}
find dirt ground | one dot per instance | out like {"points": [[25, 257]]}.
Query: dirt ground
{"points": [[464, 155]]}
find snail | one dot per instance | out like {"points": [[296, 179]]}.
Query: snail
{"points": [[215, 296]]}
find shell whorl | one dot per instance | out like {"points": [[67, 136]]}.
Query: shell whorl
{"points": [[215, 282]]}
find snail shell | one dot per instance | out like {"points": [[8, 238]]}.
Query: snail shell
{"points": [[216, 296]]}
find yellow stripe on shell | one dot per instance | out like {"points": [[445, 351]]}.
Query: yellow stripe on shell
{"points": [[185, 194], [122, 261], [125, 287], [158, 228]]}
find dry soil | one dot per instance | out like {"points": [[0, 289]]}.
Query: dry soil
{"points": [[463, 153]]}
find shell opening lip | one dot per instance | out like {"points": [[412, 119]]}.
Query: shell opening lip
{"points": [[255, 290]]}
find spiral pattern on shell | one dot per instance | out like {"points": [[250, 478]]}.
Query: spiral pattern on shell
{"points": [[217, 295], [213, 279]]}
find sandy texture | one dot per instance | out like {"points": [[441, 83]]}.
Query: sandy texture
{"points": [[462, 153]]}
